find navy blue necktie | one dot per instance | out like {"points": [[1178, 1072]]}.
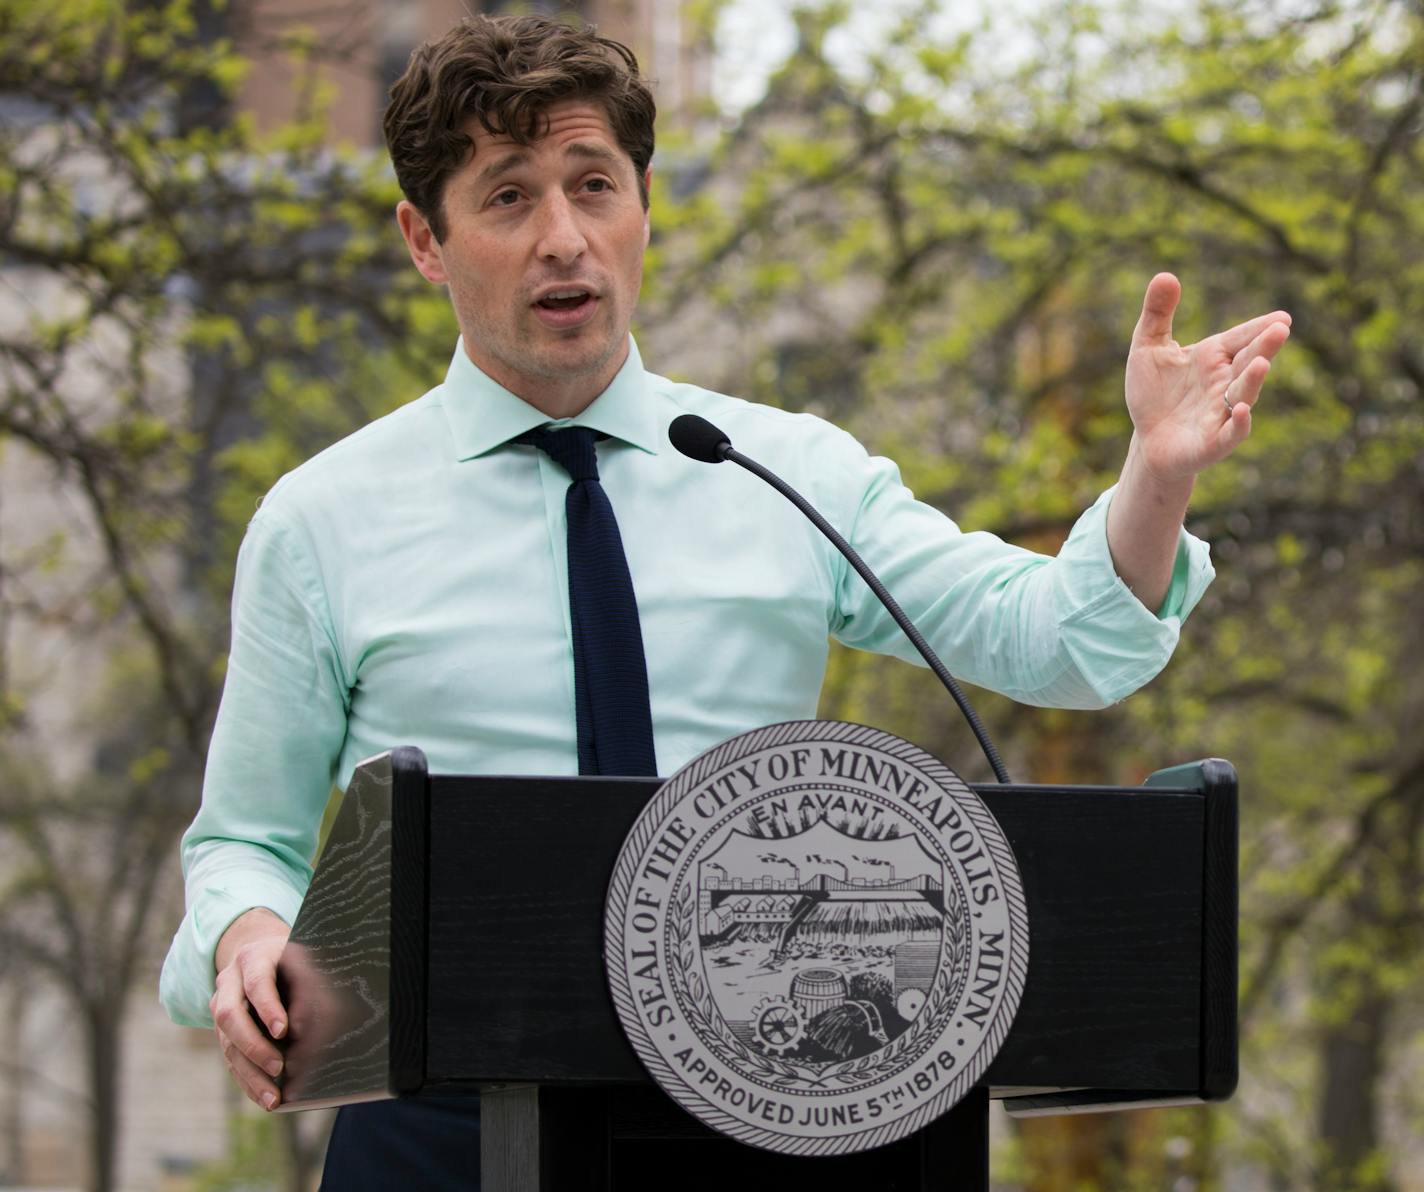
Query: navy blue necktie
{"points": [[615, 725]]}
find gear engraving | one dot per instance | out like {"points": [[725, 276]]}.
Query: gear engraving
{"points": [[777, 1025]]}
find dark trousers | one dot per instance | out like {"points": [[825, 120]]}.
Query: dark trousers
{"points": [[432, 1145]]}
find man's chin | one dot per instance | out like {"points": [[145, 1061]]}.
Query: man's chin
{"points": [[570, 361]]}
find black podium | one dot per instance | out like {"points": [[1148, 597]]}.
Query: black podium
{"points": [[451, 941]]}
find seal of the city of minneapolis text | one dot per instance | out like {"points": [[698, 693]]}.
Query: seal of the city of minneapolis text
{"points": [[816, 937]]}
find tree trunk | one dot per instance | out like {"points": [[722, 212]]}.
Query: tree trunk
{"points": [[1352, 1065], [1382, 919], [12, 1166], [1202, 1167], [102, 1020]]}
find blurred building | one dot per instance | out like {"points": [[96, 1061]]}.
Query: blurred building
{"points": [[361, 48]]}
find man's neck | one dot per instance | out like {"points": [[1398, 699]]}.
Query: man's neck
{"points": [[556, 397]]}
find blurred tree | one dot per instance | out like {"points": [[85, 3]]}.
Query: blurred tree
{"points": [[944, 249], [944, 245], [190, 309]]}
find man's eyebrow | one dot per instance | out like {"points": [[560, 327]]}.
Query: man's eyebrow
{"points": [[588, 150], [591, 150], [502, 165]]}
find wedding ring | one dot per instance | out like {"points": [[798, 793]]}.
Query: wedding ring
{"points": [[1229, 406]]}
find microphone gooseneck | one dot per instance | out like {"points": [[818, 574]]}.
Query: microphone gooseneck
{"points": [[698, 439]]}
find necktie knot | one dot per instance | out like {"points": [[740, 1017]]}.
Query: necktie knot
{"points": [[571, 447]]}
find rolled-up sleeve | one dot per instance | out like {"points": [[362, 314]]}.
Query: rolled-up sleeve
{"points": [[1116, 642], [1060, 631], [271, 764]]}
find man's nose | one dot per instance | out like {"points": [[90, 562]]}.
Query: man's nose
{"points": [[560, 237]]}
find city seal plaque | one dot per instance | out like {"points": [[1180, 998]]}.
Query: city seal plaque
{"points": [[816, 937]]}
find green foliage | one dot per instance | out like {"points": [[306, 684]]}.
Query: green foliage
{"points": [[254, 1161], [951, 261], [244, 293], [944, 248], [193, 307]]}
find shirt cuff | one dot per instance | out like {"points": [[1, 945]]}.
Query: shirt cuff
{"points": [[185, 985], [1109, 632]]}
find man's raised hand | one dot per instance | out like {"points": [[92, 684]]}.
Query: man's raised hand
{"points": [[1191, 406], [246, 963]]}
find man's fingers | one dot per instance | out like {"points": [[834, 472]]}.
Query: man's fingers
{"points": [[1265, 345], [1234, 430], [255, 1083], [238, 1029], [235, 1025], [1233, 339], [259, 984], [245, 998], [1154, 325], [1247, 387]]}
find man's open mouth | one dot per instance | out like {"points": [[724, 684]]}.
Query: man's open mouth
{"points": [[565, 299]]}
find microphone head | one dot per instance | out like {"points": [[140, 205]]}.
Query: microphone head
{"points": [[698, 439]]}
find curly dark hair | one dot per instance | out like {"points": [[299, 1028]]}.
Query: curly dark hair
{"points": [[506, 72]]}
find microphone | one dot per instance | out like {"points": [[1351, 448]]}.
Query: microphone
{"points": [[698, 439]]}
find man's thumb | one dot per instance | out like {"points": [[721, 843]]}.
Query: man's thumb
{"points": [[1158, 306]]}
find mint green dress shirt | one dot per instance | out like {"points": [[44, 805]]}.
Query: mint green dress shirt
{"points": [[407, 586]]}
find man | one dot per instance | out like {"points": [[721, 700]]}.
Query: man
{"points": [[410, 585]]}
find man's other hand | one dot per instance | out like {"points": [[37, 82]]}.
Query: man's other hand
{"points": [[246, 963], [1191, 406]]}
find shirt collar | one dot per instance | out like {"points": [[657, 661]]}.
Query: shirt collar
{"points": [[483, 414]]}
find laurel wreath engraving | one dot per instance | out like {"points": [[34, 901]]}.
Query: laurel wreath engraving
{"points": [[704, 1016]]}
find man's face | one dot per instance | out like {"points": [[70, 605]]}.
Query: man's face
{"points": [[543, 255]]}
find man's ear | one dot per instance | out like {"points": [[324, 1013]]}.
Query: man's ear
{"points": [[648, 209], [420, 240]]}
